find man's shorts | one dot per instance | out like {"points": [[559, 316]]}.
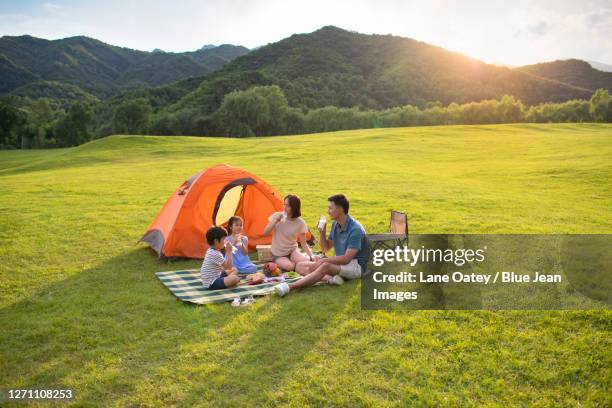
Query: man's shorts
{"points": [[351, 270]]}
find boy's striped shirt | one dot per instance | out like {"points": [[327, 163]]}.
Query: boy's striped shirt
{"points": [[212, 266]]}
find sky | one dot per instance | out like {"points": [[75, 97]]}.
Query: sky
{"points": [[517, 32]]}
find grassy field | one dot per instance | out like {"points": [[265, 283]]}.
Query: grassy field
{"points": [[80, 306]]}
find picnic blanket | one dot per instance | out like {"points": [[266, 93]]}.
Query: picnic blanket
{"points": [[187, 286]]}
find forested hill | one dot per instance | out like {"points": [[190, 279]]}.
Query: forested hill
{"points": [[332, 66], [36, 67], [329, 79], [573, 71]]}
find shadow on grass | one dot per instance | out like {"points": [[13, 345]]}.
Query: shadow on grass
{"points": [[282, 336], [114, 333]]}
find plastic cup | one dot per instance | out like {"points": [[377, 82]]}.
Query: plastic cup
{"points": [[321, 223]]}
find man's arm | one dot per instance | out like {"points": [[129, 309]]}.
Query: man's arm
{"points": [[325, 243], [354, 245], [342, 259]]}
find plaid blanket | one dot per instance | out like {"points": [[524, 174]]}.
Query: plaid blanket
{"points": [[187, 286]]}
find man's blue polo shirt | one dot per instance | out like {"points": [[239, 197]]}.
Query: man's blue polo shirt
{"points": [[352, 236]]}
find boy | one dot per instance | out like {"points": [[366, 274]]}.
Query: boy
{"points": [[216, 271]]}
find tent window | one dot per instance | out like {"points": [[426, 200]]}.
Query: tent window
{"points": [[229, 204]]}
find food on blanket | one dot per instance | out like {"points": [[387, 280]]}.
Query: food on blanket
{"points": [[272, 269], [256, 278]]}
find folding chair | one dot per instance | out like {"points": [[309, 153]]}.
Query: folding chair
{"points": [[397, 236]]}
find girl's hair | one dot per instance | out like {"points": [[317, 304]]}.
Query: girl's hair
{"points": [[233, 219], [296, 204]]}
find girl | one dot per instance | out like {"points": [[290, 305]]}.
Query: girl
{"points": [[287, 226], [240, 245]]}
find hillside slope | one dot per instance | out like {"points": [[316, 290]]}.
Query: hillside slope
{"points": [[332, 66], [98, 68], [573, 71]]}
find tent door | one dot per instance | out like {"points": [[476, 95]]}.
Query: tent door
{"points": [[229, 201]]}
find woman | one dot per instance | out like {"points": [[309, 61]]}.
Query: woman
{"points": [[287, 226]]}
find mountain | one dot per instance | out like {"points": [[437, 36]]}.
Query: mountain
{"points": [[100, 69], [573, 71], [59, 93], [601, 66], [332, 66]]}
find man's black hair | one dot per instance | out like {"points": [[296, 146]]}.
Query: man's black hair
{"points": [[215, 233], [341, 201]]}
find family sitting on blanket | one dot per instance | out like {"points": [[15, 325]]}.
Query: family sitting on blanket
{"points": [[347, 237]]}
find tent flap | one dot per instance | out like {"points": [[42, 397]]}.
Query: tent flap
{"points": [[155, 239]]}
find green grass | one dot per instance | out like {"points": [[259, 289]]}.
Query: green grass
{"points": [[80, 306]]}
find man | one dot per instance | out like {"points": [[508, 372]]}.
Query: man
{"points": [[350, 244]]}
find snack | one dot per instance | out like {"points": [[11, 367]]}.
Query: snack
{"points": [[271, 269], [256, 278]]}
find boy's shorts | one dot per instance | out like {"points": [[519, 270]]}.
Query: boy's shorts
{"points": [[218, 283], [351, 270]]}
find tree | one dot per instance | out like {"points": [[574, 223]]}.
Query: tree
{"points": [[601, 106], [11, 121], [132, 116], [39, 116], [74, 128], [509, 110], [257, 111]]}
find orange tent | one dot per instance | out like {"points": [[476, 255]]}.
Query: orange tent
{"points": [[209, 198]]}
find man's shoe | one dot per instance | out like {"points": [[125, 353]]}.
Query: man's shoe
{"points": [[282, 289], [336, 280]]}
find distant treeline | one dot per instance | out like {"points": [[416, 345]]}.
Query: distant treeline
{"points": [[263, 111]]}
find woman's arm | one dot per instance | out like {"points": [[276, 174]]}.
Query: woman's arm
{"points": [[305, 246], [272, 224], [269, 228]]}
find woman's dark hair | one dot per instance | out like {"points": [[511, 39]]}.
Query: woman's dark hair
{"points": [[296, 205], [215, 233], [341, 201], [233, 219]]}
